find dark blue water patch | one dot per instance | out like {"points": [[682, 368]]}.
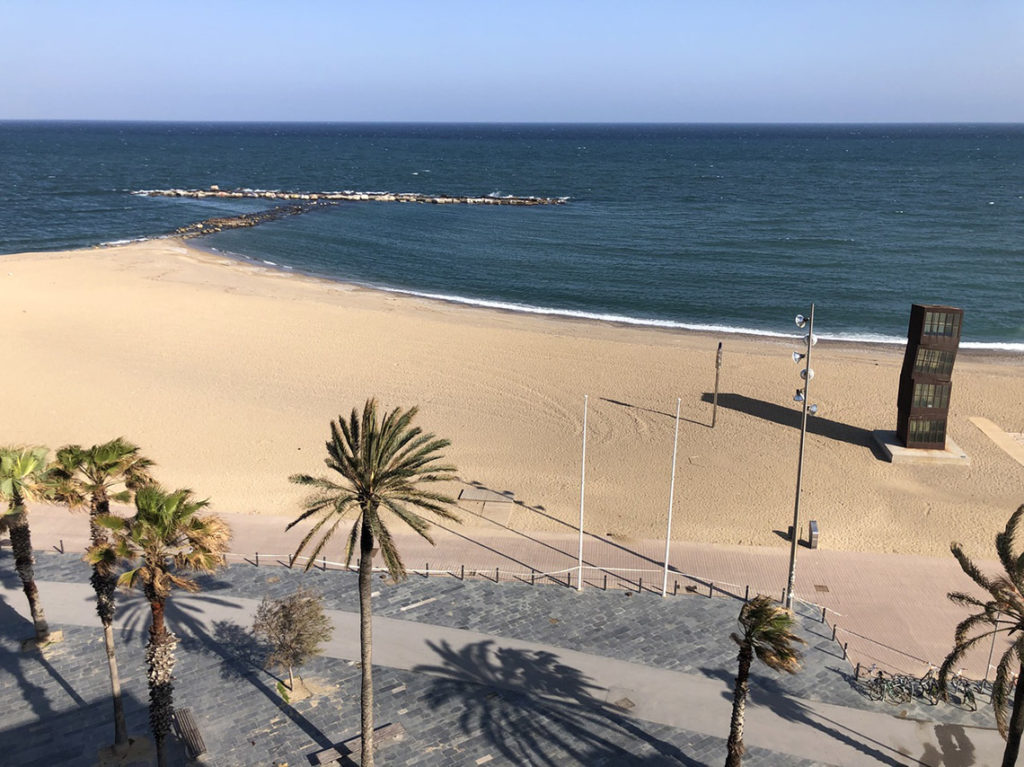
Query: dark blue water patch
{"points": [[739, 226]]}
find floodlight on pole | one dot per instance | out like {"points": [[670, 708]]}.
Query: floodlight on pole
{"points": [[801, 396]]}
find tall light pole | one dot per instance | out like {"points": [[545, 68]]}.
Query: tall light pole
{"points": [[671, 495], [801, 396], [583, 485]]}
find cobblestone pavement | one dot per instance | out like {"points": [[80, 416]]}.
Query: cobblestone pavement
{"points": [[61, 712]]}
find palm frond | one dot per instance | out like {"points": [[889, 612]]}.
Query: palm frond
{"points": [[411, 518], [350, 544], [1005, 542], [382, 460], [768, 631], [969, 567], [322, 543], [1002, 689]]}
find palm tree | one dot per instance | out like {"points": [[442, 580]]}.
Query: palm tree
{"points": [[168, 538], [81, 476], [768, 634], [23, 478], [1003, 610], [382, 462]]}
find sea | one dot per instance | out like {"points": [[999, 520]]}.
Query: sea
{"points": [[722, 228]]}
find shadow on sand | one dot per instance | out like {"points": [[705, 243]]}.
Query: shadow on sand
{"points": [[790, 417]]}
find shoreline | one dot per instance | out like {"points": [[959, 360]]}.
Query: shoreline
{"points": [[977, 349], [226, 372]]}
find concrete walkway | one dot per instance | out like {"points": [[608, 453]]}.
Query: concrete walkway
{"points": [[890, 610], [800, 728]]}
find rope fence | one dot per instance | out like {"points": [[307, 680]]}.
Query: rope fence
{"points": [[601, 577], [638, 580]]}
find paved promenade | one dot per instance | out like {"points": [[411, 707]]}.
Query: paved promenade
{"points": [[476, 673], [889, 610]]}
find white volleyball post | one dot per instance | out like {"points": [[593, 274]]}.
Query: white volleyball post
{"points": [[671, 494], [583, 483]]}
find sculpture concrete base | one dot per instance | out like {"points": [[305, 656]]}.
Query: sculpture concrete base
{"points": [[897, 453]]}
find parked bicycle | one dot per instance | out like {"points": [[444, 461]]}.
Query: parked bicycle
{"points": [[963, 690], [929, 686], [882, 686]]}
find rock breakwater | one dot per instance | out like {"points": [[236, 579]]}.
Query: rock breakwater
{"points": [[220, 223], [349, 196]]}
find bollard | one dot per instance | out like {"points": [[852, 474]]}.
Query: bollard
{"points": [[834, 632], [606, 581], [823, 614], [746, 594], [462, 572], [291, 561], [323, 563], [533, 576], [640, 585], [711, 590], [257, 559], [675, 588], [496, 576], [856, 671], [844, 649], [426, 570]]}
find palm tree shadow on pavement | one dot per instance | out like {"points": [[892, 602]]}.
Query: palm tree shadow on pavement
{"points": [[953, 738], [537, 710], [241, 655], [13, 629], [790, 416]]}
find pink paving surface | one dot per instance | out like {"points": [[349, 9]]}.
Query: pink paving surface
{"points": [[890, 609]]}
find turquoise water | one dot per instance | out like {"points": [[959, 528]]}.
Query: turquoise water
{"points": [[728, 227]]}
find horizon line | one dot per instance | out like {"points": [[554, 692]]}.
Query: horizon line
{"points": [[809, 123]]}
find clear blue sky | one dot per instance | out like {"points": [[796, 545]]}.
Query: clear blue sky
{"points": [[515, 61]]}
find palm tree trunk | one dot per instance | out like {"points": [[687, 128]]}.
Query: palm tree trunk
{"points": [[120, 723], [1016, 728], [105, 584], [366, 643], [160, 664], [21, 544], [739, 702], [99, 506]]}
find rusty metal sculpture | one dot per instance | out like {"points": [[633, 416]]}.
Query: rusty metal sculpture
{"points": [[922, 405]]}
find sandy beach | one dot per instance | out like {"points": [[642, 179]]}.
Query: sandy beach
{"points": [[227, 374]]}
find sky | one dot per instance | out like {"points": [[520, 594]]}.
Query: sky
{"points": [[516, 61]]}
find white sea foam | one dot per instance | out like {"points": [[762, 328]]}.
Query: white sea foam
{"points": [[113, 243], [620, 319]]}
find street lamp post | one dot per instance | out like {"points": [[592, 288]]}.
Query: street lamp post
{"points": [[801, 396]]}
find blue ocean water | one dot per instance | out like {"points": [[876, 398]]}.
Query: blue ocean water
{"points": [[728, 227]]}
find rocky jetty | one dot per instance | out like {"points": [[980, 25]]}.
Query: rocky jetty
{"points": [[348, 196], [220, 223]]}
